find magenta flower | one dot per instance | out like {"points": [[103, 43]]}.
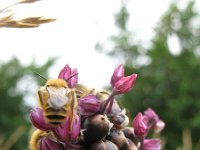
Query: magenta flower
{"points": [[139, 126], [48, 144], [152, 120], [89, 105], [151, 144], [151, 115], [66, 132], [120, 83], [125, 84], [38, 120], [117, 74], [69, 75]]}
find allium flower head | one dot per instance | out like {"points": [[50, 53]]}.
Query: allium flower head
{"points": [[69, 75], [75, 117]]}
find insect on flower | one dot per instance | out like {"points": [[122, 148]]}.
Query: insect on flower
{"points": [[57, 100]]}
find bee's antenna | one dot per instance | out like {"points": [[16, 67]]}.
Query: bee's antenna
{"points": [[40, 76], [71, 76]]}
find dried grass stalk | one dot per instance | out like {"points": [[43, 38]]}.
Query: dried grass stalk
{"points": [[30, 22]]}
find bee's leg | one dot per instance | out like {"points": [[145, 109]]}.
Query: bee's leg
{"points": [[72, 107], [34, 141]]}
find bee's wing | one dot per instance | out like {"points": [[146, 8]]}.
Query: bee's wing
{"points": [[81, 90], [43, 95], [57, 98]]}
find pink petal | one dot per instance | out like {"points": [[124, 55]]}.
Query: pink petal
{"points": [[139, 126], [38, 120], [151, 144], [151, 114], [65, 73], [89, 105], [124, 84], [74, 80], [63, 131], [159, 126], [117, 74]]}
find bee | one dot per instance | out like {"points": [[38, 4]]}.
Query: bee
{"points": [[56, 100]]}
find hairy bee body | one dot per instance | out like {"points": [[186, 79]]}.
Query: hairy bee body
{"points": [[59, 101], [53, 99]]}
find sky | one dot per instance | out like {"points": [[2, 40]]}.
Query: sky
{"points": [[72, 37]]}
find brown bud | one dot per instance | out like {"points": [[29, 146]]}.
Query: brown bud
{"points": [[117, 137], [120, 120], [70, 146], [99, 145], [96, 128], [129, 133], [110, 145], [129, 146]]}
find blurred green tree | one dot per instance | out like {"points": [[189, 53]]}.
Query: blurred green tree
{"points": [[168, 82], [14, 112]]}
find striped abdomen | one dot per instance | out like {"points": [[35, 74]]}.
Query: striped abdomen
{"points": [[55, 116]]}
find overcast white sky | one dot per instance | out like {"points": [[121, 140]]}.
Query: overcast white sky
{"points": [[80, 24]]}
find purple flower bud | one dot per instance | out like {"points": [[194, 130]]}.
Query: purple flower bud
{"points": [[139, 126], [66, 132], [74, 80], [124, 84], [151, 144], [117, 74], [151, 115], [38, 120], [48, 144], [89, 105], [67, 74], [152, 120]]}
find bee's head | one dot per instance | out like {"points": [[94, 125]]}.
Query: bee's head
{"points": [[56, 83]]}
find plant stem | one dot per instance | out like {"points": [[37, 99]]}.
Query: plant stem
{"points": [[108, 101]]}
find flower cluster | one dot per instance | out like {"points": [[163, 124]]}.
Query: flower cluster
{"points": [[94, 120]]}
